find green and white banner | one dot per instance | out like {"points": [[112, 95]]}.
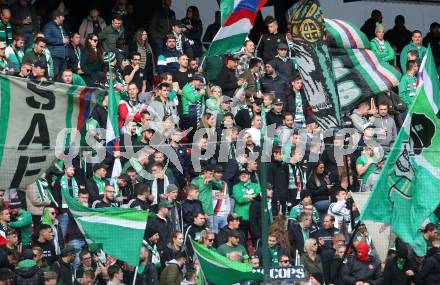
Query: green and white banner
{"points": [[32, 116], [120, 231]]}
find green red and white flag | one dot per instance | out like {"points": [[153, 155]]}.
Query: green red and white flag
{"points": [[119, 230], [238, 17], [360, 74]]}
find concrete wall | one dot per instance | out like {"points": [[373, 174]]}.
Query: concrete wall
{"points": [[418, 16]]}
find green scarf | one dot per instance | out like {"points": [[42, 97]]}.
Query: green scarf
{"points": [[155, 256], [44, 192], [274, 254], [64, 183], [400, 263], [100, 183], [46, 220]]}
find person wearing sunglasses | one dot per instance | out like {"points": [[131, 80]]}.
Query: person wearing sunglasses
{"points": [[311, 260], [207, 239], [284, 260]]}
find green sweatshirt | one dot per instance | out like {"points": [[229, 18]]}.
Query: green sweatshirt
{"points": [[242, 204], [404, 54], [382, 49], [298, 209], [24, 225], [205, 193], [189, 96], [407, 89]]}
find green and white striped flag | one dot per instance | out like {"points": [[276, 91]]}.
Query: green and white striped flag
{"points": [[120, 231], [220, 270]]}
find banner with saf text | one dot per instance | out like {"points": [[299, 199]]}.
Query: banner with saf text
{"points": [[32, 116]]}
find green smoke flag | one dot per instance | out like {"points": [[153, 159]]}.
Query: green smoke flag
{"points": [[220, 270], [406, 192], [120, 231]]}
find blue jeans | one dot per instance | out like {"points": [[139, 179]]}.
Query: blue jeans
{"points": [[78, 245], [63, 220], [218, 222]]}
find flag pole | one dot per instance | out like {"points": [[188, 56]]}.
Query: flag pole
{"points": [[135, 274], [264, 208]]}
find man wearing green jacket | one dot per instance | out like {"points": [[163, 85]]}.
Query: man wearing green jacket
{"points": [[206, 183], [22, 221], [244, 193], [380, 46], [415, 44], [111, 34], [408, 83]]}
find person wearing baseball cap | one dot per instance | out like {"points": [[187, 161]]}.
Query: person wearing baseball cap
{"points": [[276, 115], [39, 70], [192, 98], [244, 193], [227, 78], [286, 66]]}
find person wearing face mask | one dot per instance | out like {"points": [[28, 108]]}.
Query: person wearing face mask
{"points": [[362, 269]]}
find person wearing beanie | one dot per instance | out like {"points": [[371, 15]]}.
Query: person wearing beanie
{"points": [[22, 221], [380, 46], [362, 268], [274, 82], [27, 270]]}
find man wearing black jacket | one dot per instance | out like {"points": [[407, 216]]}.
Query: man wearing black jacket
{"points": [[255, 217], [96, 184], [141, 201], [227, 79], [191, 205], [193, 232], [161, 223], [276, 115], [325, 238], [298, 233], [63, 267], [267, 46], [273, 82]]}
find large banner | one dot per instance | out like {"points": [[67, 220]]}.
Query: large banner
{"points": [[32, 116], [308, 31], [359, 72]]}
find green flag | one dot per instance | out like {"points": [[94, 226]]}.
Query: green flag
{"points": [[220, 270], [120, 231], [406, 192]]}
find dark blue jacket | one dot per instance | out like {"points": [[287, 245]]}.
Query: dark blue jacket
{"points": [[168, 61], [54, 39], [278, 84]]}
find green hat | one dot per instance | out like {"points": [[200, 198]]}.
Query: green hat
{"points": [[165, 204], [68, 250], [50, 275]]}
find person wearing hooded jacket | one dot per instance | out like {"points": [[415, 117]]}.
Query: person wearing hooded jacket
{"points": [[362, 268], [27, 270], [429, 274], [172, 274], [400, 269]]}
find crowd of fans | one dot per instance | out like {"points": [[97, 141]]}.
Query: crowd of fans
{"points": [[164, 85]]}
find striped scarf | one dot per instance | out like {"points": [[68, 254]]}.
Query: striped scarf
{"points": [[44, 192], [64, 183]]}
